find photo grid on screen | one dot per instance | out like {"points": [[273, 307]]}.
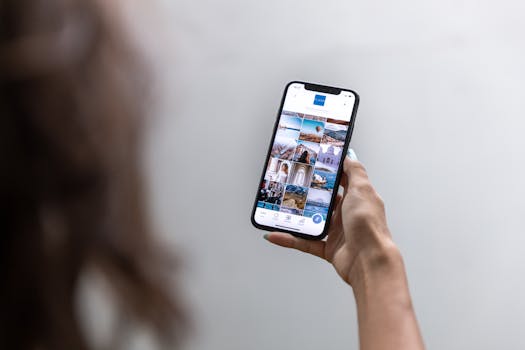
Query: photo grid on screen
{"points": [[300, 175]]}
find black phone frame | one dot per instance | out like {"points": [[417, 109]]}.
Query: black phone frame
{"points": [[322, 89]]}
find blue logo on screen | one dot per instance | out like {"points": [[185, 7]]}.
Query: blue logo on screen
{"points": [[317, 218], [319, 100]]}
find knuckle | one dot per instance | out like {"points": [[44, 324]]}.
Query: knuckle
{"points": [[355, 163], [365, 187], [362, 216], [360, 166]]}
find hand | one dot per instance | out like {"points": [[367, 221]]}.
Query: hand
{"points": [[358, 236], [360, 248]]}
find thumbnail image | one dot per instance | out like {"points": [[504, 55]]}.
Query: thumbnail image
{"points": [[291, 211], [316, 210], [306, 152], [338, 121], [311, 130], [318, 202], [283, 147], [300, 174], [271, 206], [271, 192], [334, 134], [293, 114], [289, 127], [323, 180], [319, 198], [278, 170], [294, 197], [328, 158], [314, 117]]}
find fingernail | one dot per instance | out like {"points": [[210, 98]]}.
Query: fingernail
{"points": [[351, 154], [266, 235]]}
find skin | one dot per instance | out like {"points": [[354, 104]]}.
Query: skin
{"points": [[360, 248]]}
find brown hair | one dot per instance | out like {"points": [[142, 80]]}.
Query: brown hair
{"points": [[71, 189]]}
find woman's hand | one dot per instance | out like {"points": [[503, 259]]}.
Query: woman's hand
{"points": [[360, 248], [358, 234]]}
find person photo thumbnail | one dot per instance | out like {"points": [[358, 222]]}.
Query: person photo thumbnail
{"points": [[328, 158], [278, 170], [306, 152], [271, 192], [294, 197], [300, 174], [312, 130], [334, 134], [323, 180]]}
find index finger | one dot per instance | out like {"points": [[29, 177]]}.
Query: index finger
{"points": [[353, 173]]}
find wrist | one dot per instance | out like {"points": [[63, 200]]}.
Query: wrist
{"points": [[379, 270], [385, 312]]}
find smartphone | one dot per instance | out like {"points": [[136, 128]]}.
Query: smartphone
{"points": [[301, 174]]}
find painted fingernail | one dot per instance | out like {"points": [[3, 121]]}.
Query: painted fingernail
{"points": [[266, 235], [351, 154]]}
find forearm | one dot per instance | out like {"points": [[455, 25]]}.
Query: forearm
{"points": [[384, 308]]}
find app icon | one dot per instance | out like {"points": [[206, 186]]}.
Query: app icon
{"points": [[319, 100], [317, 218]]}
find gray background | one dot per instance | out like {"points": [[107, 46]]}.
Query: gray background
{"points": [[439, 129]]}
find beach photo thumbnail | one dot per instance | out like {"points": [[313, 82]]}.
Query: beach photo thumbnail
{"points": [[319, 198], [306, 152], [318, 201], [289, 127], [312, 210], [334, 134], [271, 192], [283, 147], [271, 206], [294, 197], [312, 130], [267, 205], [329, 157], [300, 174], [324, 180], [278, 170]]}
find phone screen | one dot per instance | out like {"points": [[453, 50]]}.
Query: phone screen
{"points": [[301, 176]]}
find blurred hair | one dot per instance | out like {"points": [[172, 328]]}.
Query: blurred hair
{"points": [[71, 190]]}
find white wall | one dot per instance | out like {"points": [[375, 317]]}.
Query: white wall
{"points": [[440, 130]]}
